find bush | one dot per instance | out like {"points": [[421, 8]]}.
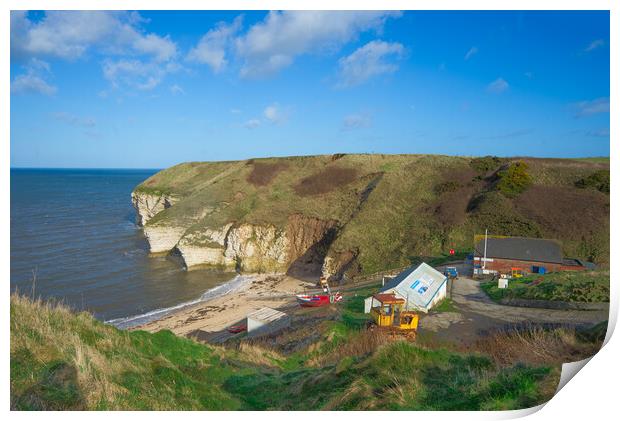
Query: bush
{"points": [[485, 164], [514, 180], [598, 180]]}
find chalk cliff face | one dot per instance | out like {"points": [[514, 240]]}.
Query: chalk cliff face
{"points": [[162, 239], [149, 205], [248, 248], [244, 247]]}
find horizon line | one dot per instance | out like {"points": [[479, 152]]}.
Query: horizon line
{"points": [[287, 156]]}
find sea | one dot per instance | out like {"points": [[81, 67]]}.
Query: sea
{"points": [[74, 239]]}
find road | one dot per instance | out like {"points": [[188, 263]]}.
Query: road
{"points": [[477, 313]]}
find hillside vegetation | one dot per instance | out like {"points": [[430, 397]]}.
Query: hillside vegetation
{"points": [[66, 361], [384, 211], [591, 286]]}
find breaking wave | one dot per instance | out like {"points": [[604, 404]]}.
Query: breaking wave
{"points": [[132, 321]]}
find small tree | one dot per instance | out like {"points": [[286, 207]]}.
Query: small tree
{"points": [[514, 180]]}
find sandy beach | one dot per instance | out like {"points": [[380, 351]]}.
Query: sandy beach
{"points": [[274, 290]]}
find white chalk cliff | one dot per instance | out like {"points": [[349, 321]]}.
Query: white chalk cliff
{"points": [[244, 247]]}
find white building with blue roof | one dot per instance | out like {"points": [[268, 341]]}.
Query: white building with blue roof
{"points": [[421, 287]]}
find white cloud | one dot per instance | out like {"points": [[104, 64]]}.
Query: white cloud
{"points": [[74, 120], [498, 86], [594, 45], [356, 121], [177, 90], [604, 132], [161, 48], [33, 80], [471, 52], [252, 124], [136, 73], [70, 34], [368, 61], [587, 108], [275, 114], [213, 46], [529, 75], [30, 83], [274, 43]]}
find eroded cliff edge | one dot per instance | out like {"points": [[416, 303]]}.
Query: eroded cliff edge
{"points": [[354, 214]]}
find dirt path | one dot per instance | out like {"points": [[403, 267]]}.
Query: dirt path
{"points": [[478, 313]]}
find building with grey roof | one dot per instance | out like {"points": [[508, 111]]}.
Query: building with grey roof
{"points": [[521, 255]]}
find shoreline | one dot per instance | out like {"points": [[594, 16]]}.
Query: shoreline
{"points": [[218, 312], [222, 289]]}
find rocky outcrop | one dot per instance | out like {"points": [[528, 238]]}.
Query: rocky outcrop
{"points": [[244, 247], [248, 248], [306, 232], [148, 205], [195, 256], [300, 249], [162, 239], [257, 248], [337, 265]]}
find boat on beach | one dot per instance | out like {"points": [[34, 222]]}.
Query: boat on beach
{"points": [[318, 300]]}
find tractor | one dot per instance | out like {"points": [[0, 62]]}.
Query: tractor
{"points": [[388, 314]]}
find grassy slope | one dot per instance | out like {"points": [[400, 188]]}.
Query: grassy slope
{"points": [[60, 360], [405, 216], [560, 286]]}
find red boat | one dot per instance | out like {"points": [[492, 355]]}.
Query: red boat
{"points": [[237, 328], [318, 300]]}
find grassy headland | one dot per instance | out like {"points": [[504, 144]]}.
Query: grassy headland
{"points": [[386, 210]]}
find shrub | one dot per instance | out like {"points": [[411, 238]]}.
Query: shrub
{"points": [[485, 164], [514, 180], [598, 180]]}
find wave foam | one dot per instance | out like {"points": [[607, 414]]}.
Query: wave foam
{"points": [[227, 287]]}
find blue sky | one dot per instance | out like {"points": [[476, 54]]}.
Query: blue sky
{"points": [[152, 89]]}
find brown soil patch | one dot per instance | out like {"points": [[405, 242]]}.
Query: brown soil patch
{"points": [[455, 192], [569, 212], [264, 172], [451, 208], [325, 181]]}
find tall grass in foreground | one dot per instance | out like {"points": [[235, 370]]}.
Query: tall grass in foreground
{"points": [[67, 361]]}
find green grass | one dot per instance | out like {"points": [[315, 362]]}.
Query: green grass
{"points": [[597, 159], [445, 306], [445, 258], [591, 286], [352, 313], [66, 361]]}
